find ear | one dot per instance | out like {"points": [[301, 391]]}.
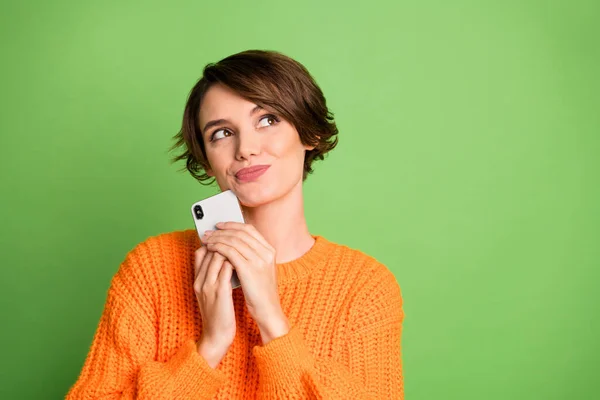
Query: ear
{"points": [[309, 147]]}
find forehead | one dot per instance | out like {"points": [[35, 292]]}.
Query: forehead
{"points": [[222, 102]]}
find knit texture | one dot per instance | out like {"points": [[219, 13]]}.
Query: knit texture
{"points": [[343, 306]]}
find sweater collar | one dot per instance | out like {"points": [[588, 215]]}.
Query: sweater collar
{"points": [[299, 268]]}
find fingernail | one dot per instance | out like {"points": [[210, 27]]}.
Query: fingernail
{"points": [[208, 233], [219, 225]]}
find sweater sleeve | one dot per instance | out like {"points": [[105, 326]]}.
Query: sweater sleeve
{"points": [[288, 369], [121, 362]]}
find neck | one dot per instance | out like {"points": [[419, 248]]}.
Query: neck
{"points": [[282, 224]]}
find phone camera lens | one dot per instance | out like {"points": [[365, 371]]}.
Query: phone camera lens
{"points": [[198, 212]]}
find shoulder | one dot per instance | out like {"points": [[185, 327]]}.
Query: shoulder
{"points": [[365, 267], [164, 245], [158, 254], [374, 287], [174, 240]]}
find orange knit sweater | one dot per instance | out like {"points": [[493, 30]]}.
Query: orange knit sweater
{"points": [[345, 314]]}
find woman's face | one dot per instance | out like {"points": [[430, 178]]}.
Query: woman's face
{"points": [[237, 135]]}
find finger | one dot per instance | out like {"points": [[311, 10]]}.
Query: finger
{"points": [[225, 274], [204, 267], [199, 281], [248, 228], [199, 255], [250, 240], [213, 269], [231, 253], [247, 246]]}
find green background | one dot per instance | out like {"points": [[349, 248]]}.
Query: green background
{"points": [[467, 163]]}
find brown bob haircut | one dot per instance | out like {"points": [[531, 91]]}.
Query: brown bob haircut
{"points": [[268, 79]]}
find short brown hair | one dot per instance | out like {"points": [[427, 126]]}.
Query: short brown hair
{"points": [[268, 79]]}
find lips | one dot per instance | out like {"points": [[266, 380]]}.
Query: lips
{"points": [[251, 173]]}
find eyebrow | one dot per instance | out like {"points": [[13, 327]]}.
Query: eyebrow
{"points": [[215, 122]]}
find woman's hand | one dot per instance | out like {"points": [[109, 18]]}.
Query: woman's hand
{"points": [[212, 285], [254, 261]]}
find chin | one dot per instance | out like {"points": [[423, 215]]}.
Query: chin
{"points": [[256, 196], [260, 193]]}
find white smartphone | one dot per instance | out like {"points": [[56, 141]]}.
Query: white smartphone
{"points": [[222, 207]]}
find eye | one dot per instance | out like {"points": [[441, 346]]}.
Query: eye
{"points": [[219, 134], [268, 120]]}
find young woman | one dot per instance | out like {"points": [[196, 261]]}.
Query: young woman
{"points": [[312, 319]]}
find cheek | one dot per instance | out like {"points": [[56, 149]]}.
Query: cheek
{"points": [[289, 147], [291, 156], [215, 159]]}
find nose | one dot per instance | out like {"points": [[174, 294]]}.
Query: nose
{"points": [[248, 144]]}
